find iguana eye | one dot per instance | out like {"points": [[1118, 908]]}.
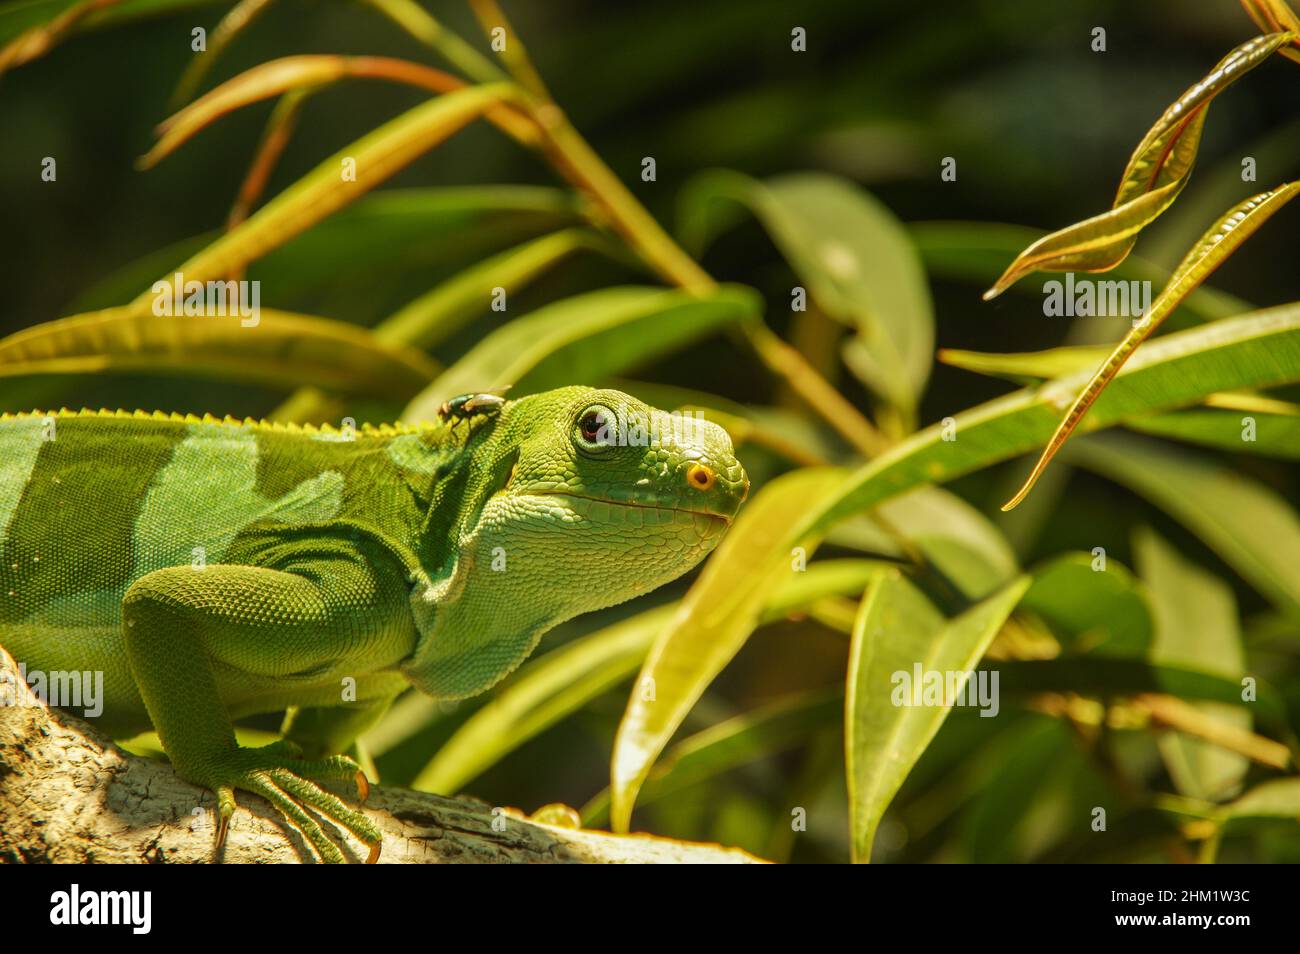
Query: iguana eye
{"points": [[596, 428]]}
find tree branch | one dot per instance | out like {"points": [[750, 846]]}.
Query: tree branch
{"points": [[67, 794]]}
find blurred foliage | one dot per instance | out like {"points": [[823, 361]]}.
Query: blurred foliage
{"points": [[1121, 605]]}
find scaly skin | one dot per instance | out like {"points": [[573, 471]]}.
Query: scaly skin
{"points": [[216, 569]]}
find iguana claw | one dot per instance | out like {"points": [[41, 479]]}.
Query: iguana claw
{"points": [[287, 783]]}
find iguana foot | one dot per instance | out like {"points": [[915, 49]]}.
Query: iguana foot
{"points": [[275, 773]]}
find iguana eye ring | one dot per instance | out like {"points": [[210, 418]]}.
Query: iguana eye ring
{"points": [[595, 429]]}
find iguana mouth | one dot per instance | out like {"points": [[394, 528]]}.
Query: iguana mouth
{"points": [[725, 521]]}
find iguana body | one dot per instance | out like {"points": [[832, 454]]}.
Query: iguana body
{"points": [[215, 569]]}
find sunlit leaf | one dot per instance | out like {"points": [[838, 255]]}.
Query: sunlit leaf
{"points": [[1093, 245], [237, 19], [286, 75], [1271, 429], [1214, 247], [976, 252], [1276, 798], [1274, 15], [897, 630], [709, 628], [1155, 174], [1027, 367], [1253, 529], [281, 349], [587, 337], [324, 191], [1236, 421]]}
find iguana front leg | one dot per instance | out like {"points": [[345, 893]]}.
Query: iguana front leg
{"points": [[280, 636]]}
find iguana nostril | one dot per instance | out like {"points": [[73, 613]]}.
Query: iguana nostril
{"points": [[700, 477]]}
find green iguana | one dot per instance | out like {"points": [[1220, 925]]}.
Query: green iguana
{"points": [[213, 569]]}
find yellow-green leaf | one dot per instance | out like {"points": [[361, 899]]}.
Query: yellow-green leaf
{"points": [[325, 190], [1214, 247], [1274, 15], [1155, 174]]}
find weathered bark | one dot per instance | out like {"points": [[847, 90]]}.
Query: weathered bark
{"points": [[69, 795]]}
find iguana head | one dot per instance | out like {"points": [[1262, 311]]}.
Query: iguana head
{"points": [[571, 501]]}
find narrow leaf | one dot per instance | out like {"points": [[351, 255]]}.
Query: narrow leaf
{"points": [[1155, 174], [324, 191], [281, 350], [586, 338], [1258, 350], [1208, 254], [1274, 15]]}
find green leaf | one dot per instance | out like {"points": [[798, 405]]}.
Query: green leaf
{"points": [[898, 629], [1240, 422], [855, 257], [444, 310], [1253, 529], [1196, 628], [1100, 611], [585, 338], [1277, 798], [281, 350], [1027, 367], [712, 624]]}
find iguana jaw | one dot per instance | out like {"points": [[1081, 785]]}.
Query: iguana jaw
{"points": [[723, 520]]}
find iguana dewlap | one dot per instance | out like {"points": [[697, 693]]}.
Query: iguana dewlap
{"points": [[214, 569]]}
